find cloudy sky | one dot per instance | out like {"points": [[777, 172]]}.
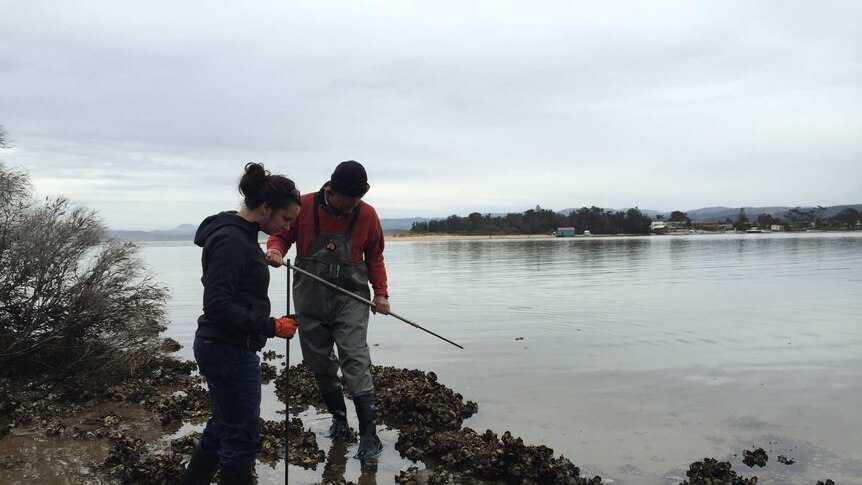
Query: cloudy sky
{"points": [[148, 111]]}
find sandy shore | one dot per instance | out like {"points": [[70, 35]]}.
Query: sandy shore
{"points": [[403, 236]]}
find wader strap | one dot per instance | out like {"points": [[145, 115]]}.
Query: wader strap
{"points": [[318, 199]]}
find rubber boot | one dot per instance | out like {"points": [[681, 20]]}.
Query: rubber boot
{"points": [[242, 475], [334, 401], [369, 444], [201, 468]]}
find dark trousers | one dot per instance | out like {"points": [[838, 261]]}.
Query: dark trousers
{"points": [[233, 379]]}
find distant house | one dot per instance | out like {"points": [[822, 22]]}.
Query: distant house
{"points": [[565, 232], [707, 225], [658, 227], [777, 228]]}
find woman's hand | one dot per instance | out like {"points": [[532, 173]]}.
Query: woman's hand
{"points": [[274, 258], [285, 327]]}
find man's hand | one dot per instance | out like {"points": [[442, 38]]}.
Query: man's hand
{"points": [[274, 258], [381, 305]]}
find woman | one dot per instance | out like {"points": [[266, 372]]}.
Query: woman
{"points": [[236, 323]]}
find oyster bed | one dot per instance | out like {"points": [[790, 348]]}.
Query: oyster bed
{"points": [[428, 415]]}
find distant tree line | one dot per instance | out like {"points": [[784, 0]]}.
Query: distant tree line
{"points": [[800, 219], [540, 221], [632, 221]]}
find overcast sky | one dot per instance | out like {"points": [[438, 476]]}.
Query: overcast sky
{"points": [[148, 111]]}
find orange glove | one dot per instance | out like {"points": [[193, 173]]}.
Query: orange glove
{"points": [[285, 327]]}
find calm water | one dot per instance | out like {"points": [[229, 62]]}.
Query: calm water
{"points": [[639, 355]]}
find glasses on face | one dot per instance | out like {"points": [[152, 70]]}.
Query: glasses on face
{"points": [[295, 196]]}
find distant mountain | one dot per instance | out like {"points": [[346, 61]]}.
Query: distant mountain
{"points": [[835, 209], [183, 232], [647, 212], [149, 236], [403, 224], [721, 213], [182, 229]]}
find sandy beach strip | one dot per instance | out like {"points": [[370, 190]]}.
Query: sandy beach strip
{"points": [[465, 237]]}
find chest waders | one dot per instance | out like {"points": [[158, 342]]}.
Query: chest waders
{"points": [[328, 318]]}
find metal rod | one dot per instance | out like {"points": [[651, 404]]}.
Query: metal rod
{"points": [[287, 392], [363, 300]]}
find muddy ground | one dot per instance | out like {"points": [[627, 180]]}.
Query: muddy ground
{"points": [[124, 425]]}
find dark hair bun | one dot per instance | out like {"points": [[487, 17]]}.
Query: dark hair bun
{"points": [[258, 186], [254, 180]]}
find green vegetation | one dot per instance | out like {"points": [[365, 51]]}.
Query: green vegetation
{"points": [[73, 306], [633, 221], [678, 216], [798, 219], [846, 218], [741, 223], [540, 221]]}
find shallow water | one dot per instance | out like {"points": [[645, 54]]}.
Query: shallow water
{"points": [[639, 355]]}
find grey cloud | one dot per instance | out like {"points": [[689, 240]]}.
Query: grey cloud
{"points": [[480, 105]]}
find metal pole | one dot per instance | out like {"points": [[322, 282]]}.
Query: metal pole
{"points": [[363, 300], [287, 392]]}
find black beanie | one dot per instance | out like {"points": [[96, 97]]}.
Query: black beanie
{"points": [[350, 179]]}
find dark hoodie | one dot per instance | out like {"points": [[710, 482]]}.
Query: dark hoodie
{"points": [[236, 281]]}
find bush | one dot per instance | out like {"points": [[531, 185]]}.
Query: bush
{"points": [[72, 304]]}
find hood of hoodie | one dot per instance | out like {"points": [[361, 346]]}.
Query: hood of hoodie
{"points": [[220, 220]]}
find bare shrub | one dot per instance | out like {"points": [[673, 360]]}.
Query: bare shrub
{"points": [[72, 304]]}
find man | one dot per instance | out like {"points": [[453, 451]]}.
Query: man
{"points": [[340, 239]]}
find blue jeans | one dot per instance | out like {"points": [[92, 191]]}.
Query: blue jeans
{"points": [[233, 379]]}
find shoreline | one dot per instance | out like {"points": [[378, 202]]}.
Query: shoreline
{"points": [[405, 236], [465, 237]]}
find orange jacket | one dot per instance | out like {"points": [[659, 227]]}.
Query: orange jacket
{"points": [[366, 242]]}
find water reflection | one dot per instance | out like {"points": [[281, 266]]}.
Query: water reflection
{"points": [[335, 468], [336, 462]]}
